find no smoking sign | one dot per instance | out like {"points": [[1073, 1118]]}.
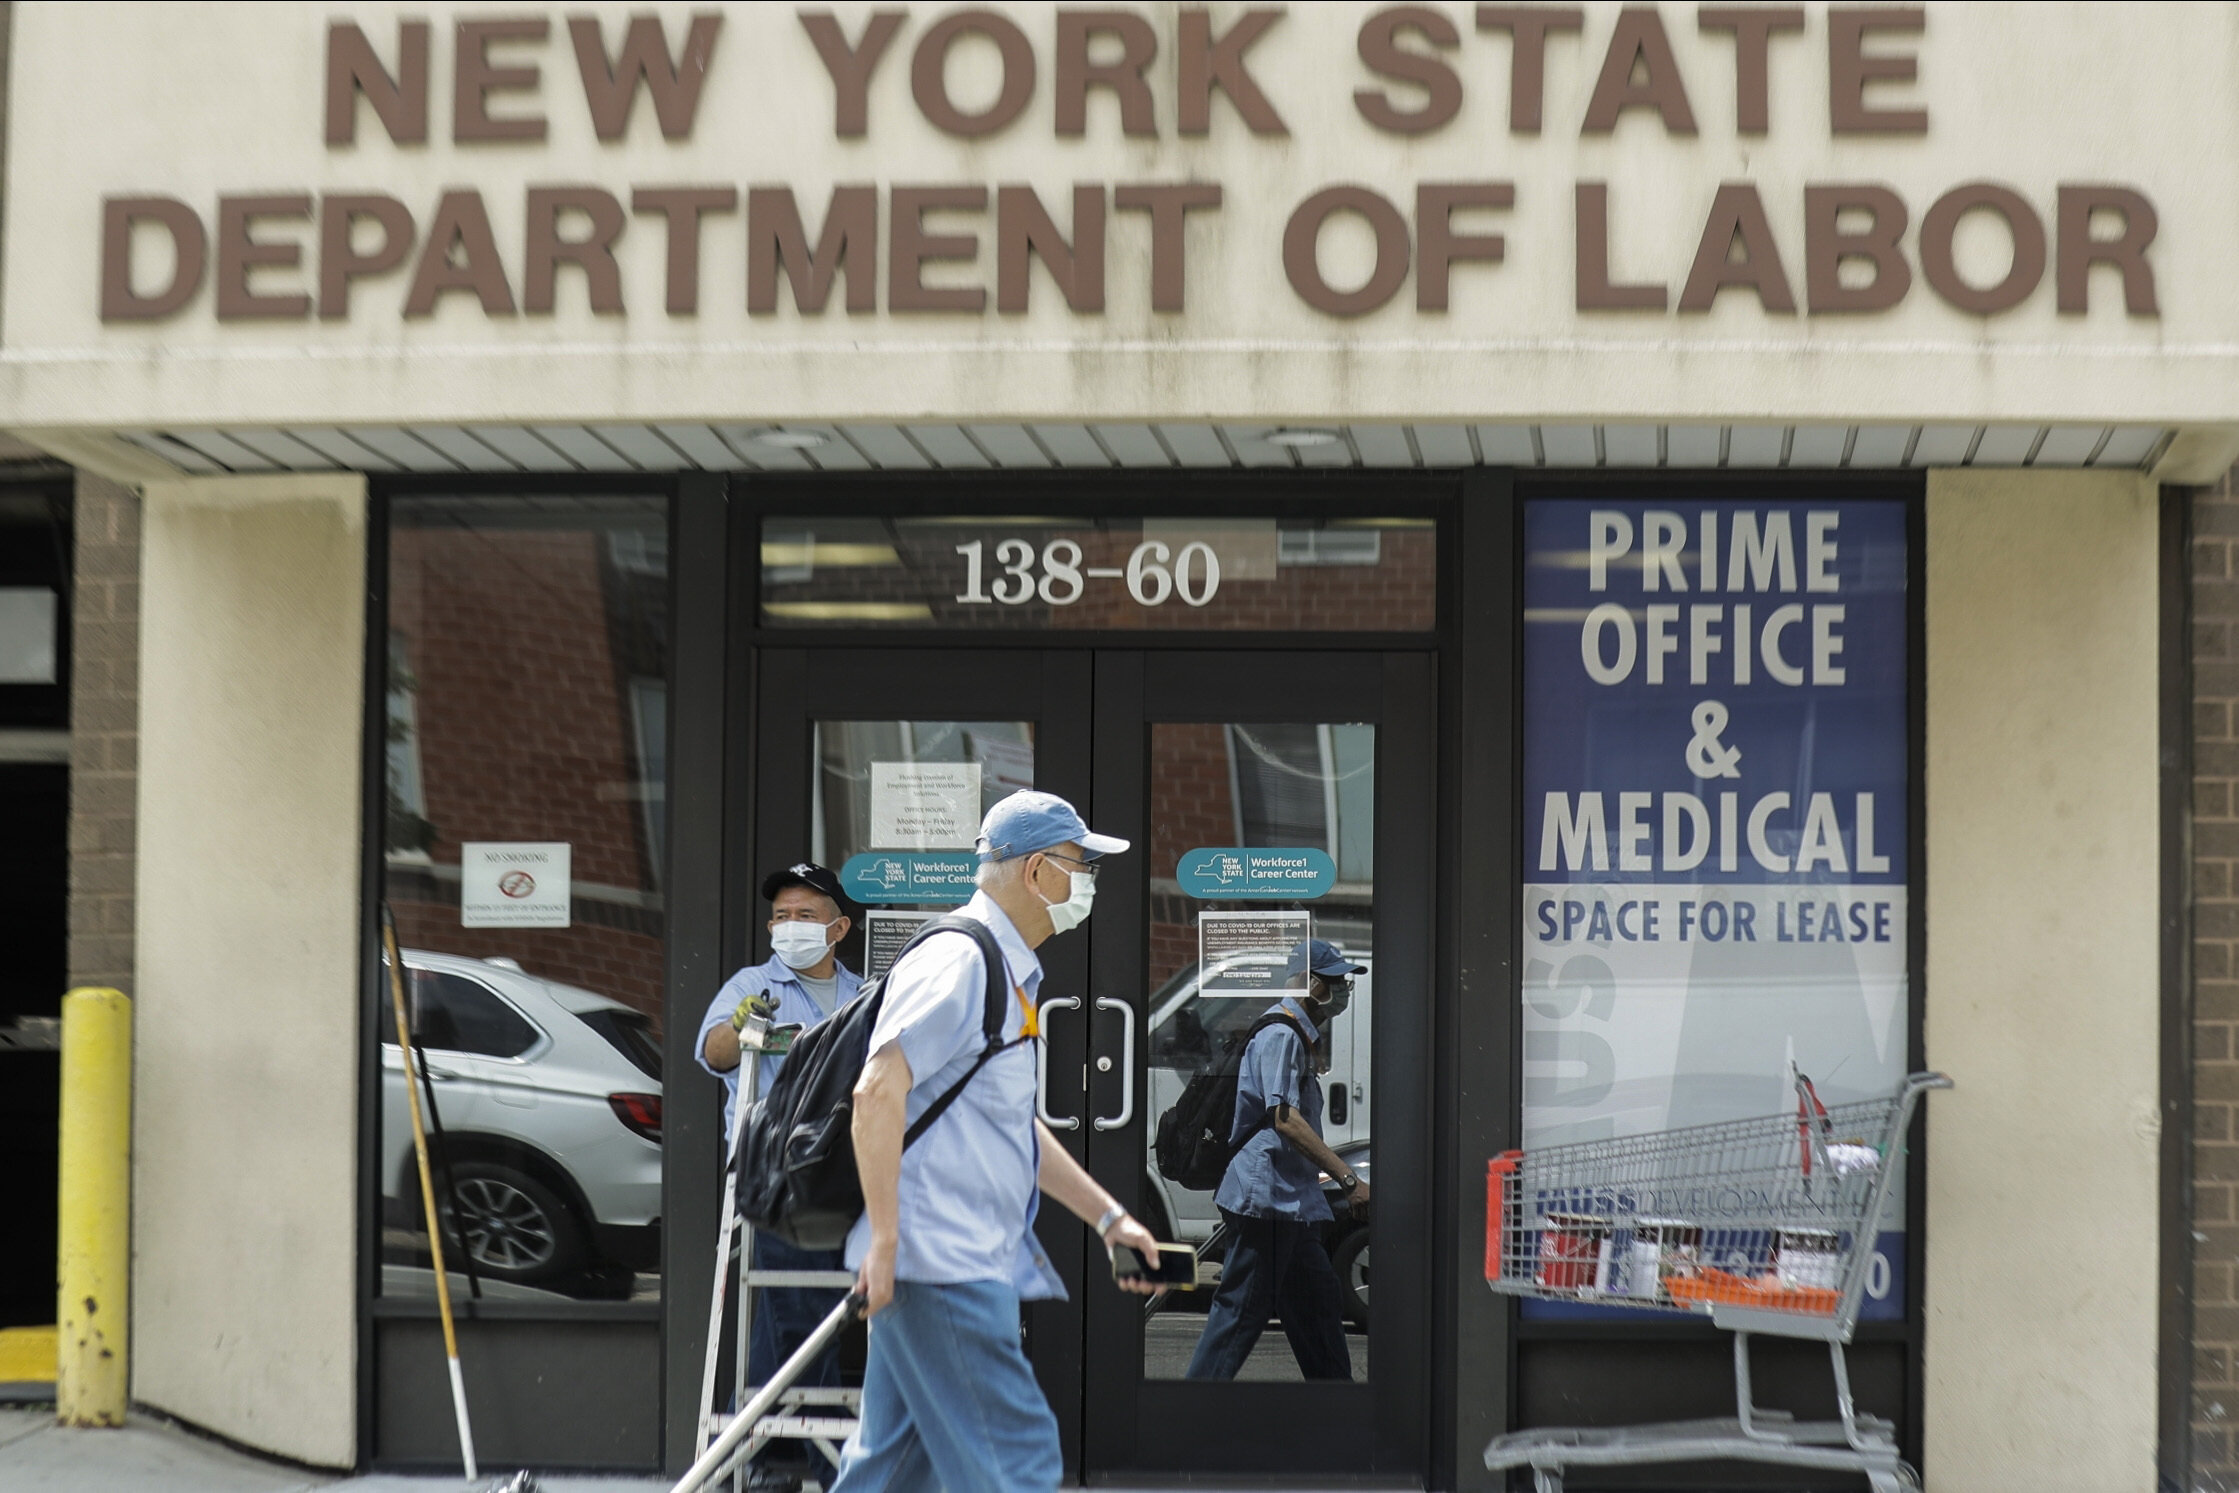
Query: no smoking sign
{"points": [[514, 884]]}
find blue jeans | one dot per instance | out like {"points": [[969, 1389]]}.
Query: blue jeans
{"points": [[784, 1318], [1275, 1267], [949, 1402]]}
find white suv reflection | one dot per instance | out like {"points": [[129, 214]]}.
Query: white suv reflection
{"points": [[550, 1100], [1188, 1031]]}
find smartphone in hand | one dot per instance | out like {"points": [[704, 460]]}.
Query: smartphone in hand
{"points": [[1175, 1268]]}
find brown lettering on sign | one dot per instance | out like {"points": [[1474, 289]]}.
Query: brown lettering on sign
{"points": [[460, 254], [776, 239], [1752, 27], [1827, 245], [240, 252], [1123, 75], [1850, 69], [340, 259], [548, 248], [1596, 291], [909, 247], [1527, 26], [399, 102], [1169, 207], [682, 208], [1639, 44], [1205, 62], [120, 218], [2126, 252], [1024, 230], [929, 73], [611, 88], [477, 77], [1302, 237], [1737, 219], [851, 66], [1441, 245], [1381, 53], [1940, 267]]}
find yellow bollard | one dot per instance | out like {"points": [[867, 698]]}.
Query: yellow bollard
{"points": [[94, 1234]]}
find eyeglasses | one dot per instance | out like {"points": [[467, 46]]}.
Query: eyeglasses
{"points": [[1090, 869], [1336, 987]]}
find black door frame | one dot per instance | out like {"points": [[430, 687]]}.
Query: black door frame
{"points": [[1384, 1421], [797, 686], [756, 649]]}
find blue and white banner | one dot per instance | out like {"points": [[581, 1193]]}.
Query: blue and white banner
{"points": [[1715, 811]]}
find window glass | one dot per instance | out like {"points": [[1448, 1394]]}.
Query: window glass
{"points": [[1262, 839], [895, 809], [527, 688], [1154, 574], [1716, 803], [450, 1013]]}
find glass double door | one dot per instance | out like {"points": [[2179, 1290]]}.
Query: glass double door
{"points": [[1280, 806]]}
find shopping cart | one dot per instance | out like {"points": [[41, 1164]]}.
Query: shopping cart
{"points": [[1764, 1225]]}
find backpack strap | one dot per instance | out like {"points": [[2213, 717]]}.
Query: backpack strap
{"points": [[992, 1015]]}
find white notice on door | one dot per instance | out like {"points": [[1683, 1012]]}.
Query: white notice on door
{"points": [[925, 805], [514, 884]]}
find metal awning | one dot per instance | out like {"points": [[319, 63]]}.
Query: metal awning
{"points": [[665, 447]]}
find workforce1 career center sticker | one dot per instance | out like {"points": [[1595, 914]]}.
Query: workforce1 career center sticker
{"points": [[1269, 874]]}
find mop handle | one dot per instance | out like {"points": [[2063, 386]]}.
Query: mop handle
{"points": [[742, 1425], [427, 1195]]}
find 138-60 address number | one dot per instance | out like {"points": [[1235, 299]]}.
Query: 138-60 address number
{"points": [[1154, 572]]}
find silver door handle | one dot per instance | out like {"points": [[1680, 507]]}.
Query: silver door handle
{"points": [[1127, 1064], [1042, 1065]]}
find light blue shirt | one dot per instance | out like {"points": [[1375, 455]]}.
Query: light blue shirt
{"points": [[1267, 1178], [970, 1186], [794, 1003]]}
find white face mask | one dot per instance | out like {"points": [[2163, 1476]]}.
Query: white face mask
{"points": [[802, 945], [1074, 910]]}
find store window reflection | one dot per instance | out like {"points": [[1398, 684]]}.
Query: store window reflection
{"points": [[1262, 838], [525, 824]]}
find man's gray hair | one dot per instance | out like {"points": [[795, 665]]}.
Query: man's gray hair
{"points": [[993, 874]]}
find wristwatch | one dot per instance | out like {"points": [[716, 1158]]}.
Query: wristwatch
{"points": [[1112, 1215], [1349, 1183]]}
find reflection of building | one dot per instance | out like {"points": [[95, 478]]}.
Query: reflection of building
{"points": [[1261, 785], [1268, 574], [527, 700]]}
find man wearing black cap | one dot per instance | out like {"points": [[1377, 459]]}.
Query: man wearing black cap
{"points": [[802, 981], [1271, 1196]]}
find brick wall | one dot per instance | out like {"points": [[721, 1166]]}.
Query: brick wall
{"points": [[104, 732], [2215, 731]]}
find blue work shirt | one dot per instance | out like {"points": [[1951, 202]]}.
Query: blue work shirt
{"points": [[970, 1186], [794, 1003], [1267, 1178]]}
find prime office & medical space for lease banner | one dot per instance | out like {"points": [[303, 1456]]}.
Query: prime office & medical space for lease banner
{"points": [[1715, 811]]}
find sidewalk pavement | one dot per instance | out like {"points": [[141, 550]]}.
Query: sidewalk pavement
{"points": [[147, 1455]]}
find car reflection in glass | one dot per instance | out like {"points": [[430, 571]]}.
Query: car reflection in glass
{"points": [[549, 1098], [1189, 1031]]}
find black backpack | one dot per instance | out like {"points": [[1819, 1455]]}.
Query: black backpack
{"points": [[796, 1154], [1193, 1147]]}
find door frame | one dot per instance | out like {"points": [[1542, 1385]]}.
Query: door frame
{"points": [[1390, 1411]]}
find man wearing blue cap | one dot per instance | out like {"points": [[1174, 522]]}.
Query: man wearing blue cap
{"points": [[945, 1250], [1271, 1195], [802, 982]]}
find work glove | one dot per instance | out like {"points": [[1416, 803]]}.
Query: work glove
{"points": [[756, 1007]]}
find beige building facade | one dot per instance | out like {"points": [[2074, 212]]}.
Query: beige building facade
{"points": [[389, 326]]}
